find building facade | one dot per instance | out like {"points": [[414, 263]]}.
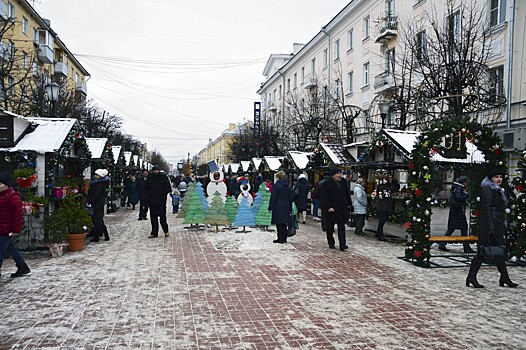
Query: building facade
{"points": [[354, 60]]}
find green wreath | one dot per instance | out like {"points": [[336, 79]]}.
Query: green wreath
{"points": [[422, 172]]}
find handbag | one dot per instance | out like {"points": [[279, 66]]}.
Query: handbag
{"points": [[292, 225], [493, 253]]}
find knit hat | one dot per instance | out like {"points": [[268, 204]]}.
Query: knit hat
{"points": [[462, 179], [496, 171], [334, 171], [5, 179], [302, 176], [156, 167], [101, 172]]}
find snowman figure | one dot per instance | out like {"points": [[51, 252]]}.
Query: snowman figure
{"points": [[244, 187], [216, 184]]}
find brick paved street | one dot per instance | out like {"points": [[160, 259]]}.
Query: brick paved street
{"points": [[227, 290]]}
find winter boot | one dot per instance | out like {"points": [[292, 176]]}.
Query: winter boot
{"points": [[22, 270], [504, 277], [473, 270]]}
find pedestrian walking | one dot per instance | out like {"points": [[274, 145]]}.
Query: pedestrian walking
{"points": [[315, 202], [491, 226], [280, 205], [139, 187], [97, 199], [323, 203], [183, 186], [360, 206], [300, 197], [11, 222], [176, 199], [125, 200], [157, 187], [337, 198], [133, 196], [457, 212]]}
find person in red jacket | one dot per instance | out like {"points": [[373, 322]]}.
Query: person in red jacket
{"points": [[11, 222]]}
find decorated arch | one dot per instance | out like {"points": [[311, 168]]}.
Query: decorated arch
{"points": [[449, 138]]}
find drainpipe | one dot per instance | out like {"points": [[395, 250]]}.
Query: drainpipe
{"points": [[510, 64], [282, 98]]}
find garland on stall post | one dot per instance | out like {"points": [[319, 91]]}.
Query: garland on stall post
{"points": [[422, 172], [517, 230]]}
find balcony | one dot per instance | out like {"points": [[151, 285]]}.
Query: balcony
{"points": [[310, 82], [388, 29], [81, 87], [46, 54], [61, 68], [383, 81]]}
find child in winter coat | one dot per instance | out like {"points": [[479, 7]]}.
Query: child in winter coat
{"points": [[176, 198]]}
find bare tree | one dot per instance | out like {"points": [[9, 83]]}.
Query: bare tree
{"points": [[245, 145], [442, 67]]}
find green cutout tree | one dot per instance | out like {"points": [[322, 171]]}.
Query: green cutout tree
{"points": [[217, 214]]}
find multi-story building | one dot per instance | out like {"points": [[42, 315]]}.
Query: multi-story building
{"points": [[218, 150], [32, 56], [355, 59]]}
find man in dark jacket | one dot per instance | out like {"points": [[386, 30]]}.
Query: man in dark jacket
{"points": [[323, 204], [280, 205], [337, 198], [457, 212], [157, 187], [139, 187], [97, 199], [11, 222]]}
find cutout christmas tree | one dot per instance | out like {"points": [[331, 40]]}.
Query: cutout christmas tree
{"points": [[263, 217], [202, 197], [195, 212], [244, 216], [231, 209], [217, 214], [186, 200]]}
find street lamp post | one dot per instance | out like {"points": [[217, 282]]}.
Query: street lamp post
{"points": [[52, 90], [384, 110]]}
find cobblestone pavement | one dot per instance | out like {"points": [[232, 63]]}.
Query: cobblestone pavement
{"points": [[228, 290]]}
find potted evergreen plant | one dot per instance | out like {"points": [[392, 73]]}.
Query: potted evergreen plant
{"points": [[70, 221]]}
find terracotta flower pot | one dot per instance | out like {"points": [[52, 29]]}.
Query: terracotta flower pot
{"points": [[75, 241]]}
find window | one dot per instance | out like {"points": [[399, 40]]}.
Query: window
{"points": [[350, 82], [274, 95], [366, 23], [496, 89], [77, 78], [295, 80], [454, 27], [421, 45], [325, 57], [280, 92], [24, 25], [390, 61], [288, 85], [10, 10], [338, 86], [349, 39], [302, 75], [313, 67], [11, 49], [25, 62], [497, 12], [10, 86], [389, 8], [366, 74], [337, 49]]}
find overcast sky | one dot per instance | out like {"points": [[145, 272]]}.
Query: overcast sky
{"points": [[178, 71]]}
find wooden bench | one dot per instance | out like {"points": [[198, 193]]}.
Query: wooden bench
{"points": [[450, 239]]}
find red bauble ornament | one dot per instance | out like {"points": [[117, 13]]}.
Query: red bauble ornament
{"points": [[418, 192], [418, 253], [407, 225], [476, 213], [497, 151], [519, 188]]}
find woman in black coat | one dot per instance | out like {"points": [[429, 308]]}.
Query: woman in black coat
{"points": [[281, 206], [457, 212], [300, 194], [97, 198], [491, 226]]}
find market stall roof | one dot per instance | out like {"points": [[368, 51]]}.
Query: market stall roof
{"points": [[300, 159], [273, 162], [245, 165], [96, 146], [256, 162], [405, 141], [48, 136], [225, 168], [234, 167], [136, 159], [116, 150], [337, 154], [127, 157]]}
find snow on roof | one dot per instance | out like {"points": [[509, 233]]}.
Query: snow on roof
{"points": [[116, 150], [225, 168], [300, 159], [273, 162], [234, 167], [245, 165], [406, 140], [136, 159], [48, 136], [96, 146], [257, 162], [127, 157], [337, 153]]}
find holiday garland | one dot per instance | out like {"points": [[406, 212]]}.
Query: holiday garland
{"points": [[422, 172], [517, 230]]}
